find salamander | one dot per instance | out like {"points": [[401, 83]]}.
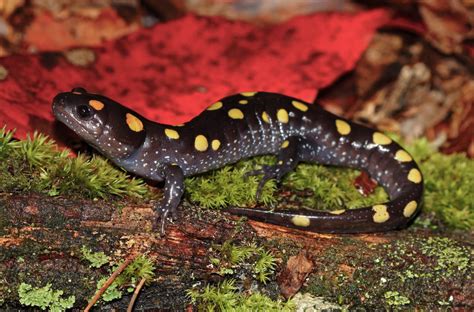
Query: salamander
{"points": [[242, 126]]}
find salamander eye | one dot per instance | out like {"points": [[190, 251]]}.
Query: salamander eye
{"points": [[84, 111]]}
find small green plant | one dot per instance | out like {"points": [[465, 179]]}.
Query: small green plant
{"points": [[112, 292], [140, 268], [265, 265], [96, 259], [224, 297], [44, 298], [233, 257]]}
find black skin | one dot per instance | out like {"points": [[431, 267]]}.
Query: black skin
{"points": [[242, 126]]}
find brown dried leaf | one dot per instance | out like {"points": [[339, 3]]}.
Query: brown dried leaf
{"points": [[294, 274]]}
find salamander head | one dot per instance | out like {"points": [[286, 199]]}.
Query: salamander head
{"points": [[111, 128]]}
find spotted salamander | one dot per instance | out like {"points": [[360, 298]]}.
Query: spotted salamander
{"points": [[245, 125]]}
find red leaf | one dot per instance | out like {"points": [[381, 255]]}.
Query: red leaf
{"points": [[171, 72]]}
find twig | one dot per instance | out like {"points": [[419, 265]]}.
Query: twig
{"points": [[135, 294], [108, 283]]}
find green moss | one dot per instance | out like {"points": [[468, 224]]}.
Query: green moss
{"points": [[36, 164], [331, 188], [96, 259], [449, 185], [231, 259], [229, 186], [224, 297], [449, 181], [44, 298]]}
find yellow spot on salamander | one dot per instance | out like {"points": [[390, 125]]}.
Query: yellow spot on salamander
{"points": [[236, 113], [133, 123], [215, 106], [381, 139], [97, 105], [414, 175], [172, 134], [381, 214], [215, 144], [265, 117], [282, 115], [285, 144], [300, 106], [343, 127], [403, 156], [248, 93], [243, 102], [337, 212], [302, 221], [200, 143], [410, 209]]}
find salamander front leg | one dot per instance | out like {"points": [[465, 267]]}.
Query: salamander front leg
{"points": [[174, 189], [287, 161]]}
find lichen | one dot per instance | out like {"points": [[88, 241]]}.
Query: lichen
{"points": [[96, 259], [44, 298], [406, 273]]}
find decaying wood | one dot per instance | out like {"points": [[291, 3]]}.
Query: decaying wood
{"points": [[48, 233]]}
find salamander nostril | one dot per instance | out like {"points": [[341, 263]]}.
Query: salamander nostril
{"points": [[79, 90]]}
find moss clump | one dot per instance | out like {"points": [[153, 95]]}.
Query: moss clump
{"points": [[44, 298], [224, 297], [230, 186], [232, 258], [331, 188], [449, 185], [449, 181], [36, 164]]}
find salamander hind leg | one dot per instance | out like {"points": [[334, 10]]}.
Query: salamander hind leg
{"points": [[286, 162], [173, 191]]}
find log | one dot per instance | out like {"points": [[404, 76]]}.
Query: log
{"points": [[47, 234]]}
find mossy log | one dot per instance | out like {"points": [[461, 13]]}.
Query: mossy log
{"points": [[41, 238]]}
